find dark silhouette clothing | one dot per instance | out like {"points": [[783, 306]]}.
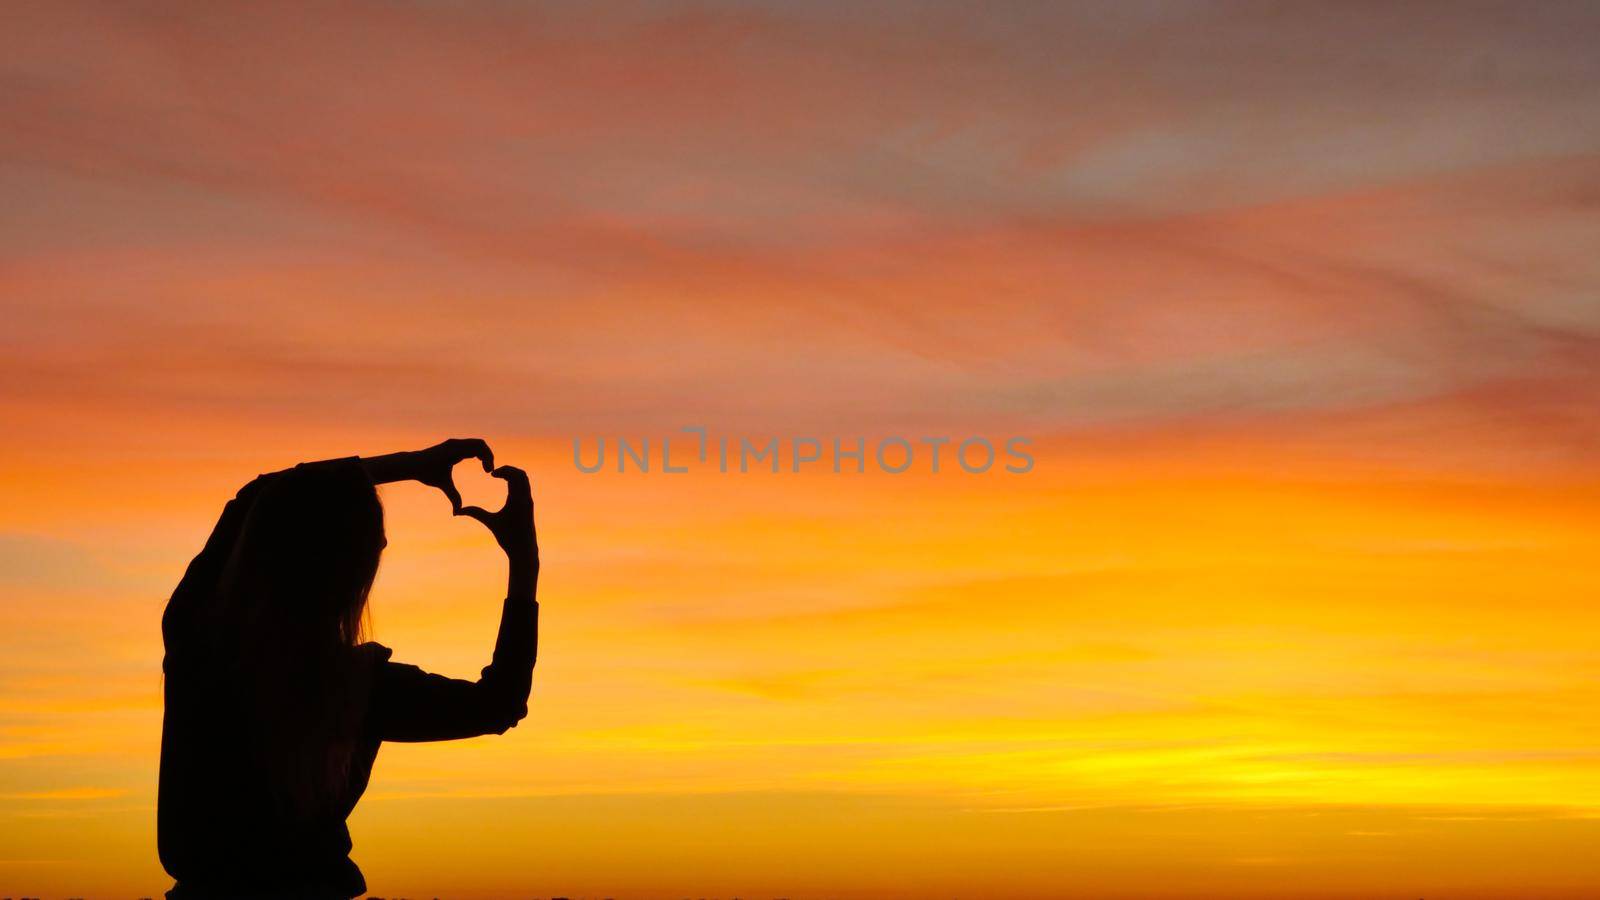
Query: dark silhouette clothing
{"points": [[222, 827]]}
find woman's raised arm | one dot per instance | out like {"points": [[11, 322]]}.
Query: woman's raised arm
{"points": [[431, 466], [413, 705]]}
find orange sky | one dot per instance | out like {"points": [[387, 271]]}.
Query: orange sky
{"points": [[1298, 306]]}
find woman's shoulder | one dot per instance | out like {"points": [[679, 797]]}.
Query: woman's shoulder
{"points": [[373, 653]]}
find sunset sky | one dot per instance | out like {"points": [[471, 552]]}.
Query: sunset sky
{"points": [[1299, 305]]}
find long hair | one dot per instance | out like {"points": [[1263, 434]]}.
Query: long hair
{"points": [[292, 605]]}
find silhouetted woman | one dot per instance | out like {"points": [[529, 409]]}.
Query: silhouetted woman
{"points": [[274, 706]]}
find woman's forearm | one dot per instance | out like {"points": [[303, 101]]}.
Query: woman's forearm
{"points": [[517, 644], [522, 574], [430, 466], [383, 469], [391, 467]]}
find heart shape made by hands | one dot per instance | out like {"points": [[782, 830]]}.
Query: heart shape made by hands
{"points": [[477, 487]]}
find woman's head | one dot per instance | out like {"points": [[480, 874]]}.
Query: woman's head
{"points": [[308, 554], [290, 609]]}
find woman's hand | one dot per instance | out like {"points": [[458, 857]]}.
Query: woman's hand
{"points": [[432, 466], [512, 526]]}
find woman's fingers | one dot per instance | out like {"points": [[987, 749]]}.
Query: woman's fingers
{"points": [[518, 492], [512, 475], [480, 449], [512, 525], [435, 463], [477, 512], [451, 494], [471, 448]]}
